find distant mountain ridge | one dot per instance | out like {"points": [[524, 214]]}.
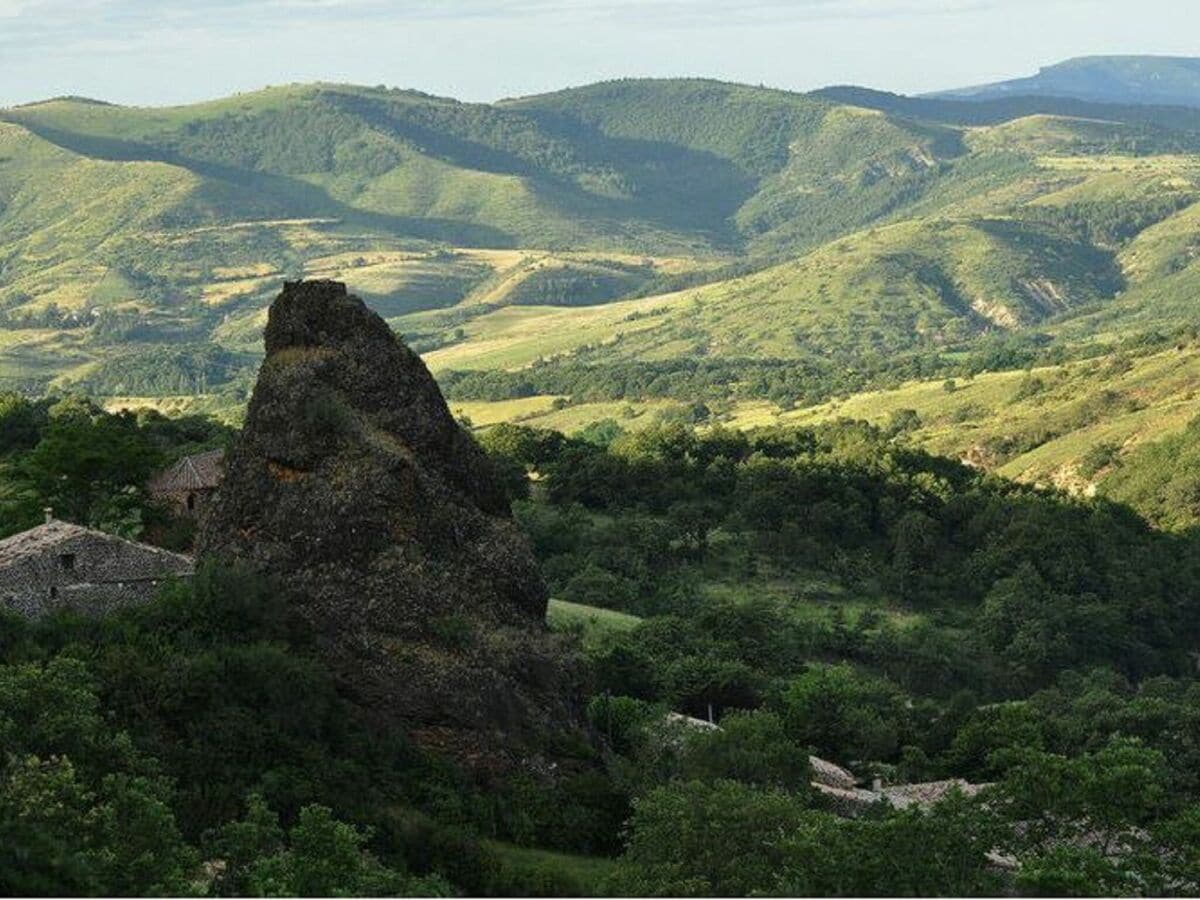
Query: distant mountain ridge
{"points": [[1149, 80]]}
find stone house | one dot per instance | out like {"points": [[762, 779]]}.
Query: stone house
{"points": [[60, 566], [190, 483]]}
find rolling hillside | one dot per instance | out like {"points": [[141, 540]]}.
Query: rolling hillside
{"points": [[620, 250], [172, 226]]}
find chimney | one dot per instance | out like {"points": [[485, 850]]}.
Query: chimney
{"points": [[49, 513]]}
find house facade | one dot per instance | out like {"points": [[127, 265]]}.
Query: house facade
{"points": [[188, 485], [60, 566]]}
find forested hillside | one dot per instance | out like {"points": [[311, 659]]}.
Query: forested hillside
{"points": [[816, 591], [624, 249]]}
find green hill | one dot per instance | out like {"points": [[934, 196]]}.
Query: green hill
{"points": [[652, 241]]}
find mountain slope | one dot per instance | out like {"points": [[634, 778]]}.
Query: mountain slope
{"points": [[1161, 80], [399, 162], [619, 228], [814, 170], [1032, 233]]}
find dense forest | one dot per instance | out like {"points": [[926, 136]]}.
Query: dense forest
{"points": [[826, 591]]}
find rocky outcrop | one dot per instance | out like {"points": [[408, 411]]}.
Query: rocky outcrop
{"points": [[354, 487]]}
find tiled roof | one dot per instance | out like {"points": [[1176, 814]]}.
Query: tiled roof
{"points": [[846, 801], [834, 776], [203, 471], [927, 793], [37, 540], [692, 722]]}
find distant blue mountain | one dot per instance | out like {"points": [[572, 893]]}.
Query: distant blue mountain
{"points": [[1153, 80]]}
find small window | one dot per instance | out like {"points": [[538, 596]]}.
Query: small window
{"points": [[53, 593], [67, 561], [191, 502]]}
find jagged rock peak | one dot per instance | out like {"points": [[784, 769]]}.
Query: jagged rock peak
{"points": [[383, 377], [352, 485]]}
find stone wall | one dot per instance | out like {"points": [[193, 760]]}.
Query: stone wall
{"points": [[187, 503], [91, 573]]}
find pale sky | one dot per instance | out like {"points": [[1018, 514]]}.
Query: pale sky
{"points": [[152, 52]]}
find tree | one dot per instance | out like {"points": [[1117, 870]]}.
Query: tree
{"points": [[941, 851], [845, 714], [708, 838], [902, 421], [90, 468], [80, 810], [1101, 802], [326, 858], [916, 538], [751, 748], [20, 422], [241, 844], [693, 520]]}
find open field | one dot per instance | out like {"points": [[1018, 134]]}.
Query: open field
{"points": [[592, 620]]}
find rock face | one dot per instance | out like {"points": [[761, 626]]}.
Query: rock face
{"points": [[354, 487]]}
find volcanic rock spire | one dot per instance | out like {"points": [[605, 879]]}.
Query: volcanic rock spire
{"points": [[353, 486]]}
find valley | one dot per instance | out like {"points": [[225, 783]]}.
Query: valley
{"points": [[658, 487], [624, 250]]}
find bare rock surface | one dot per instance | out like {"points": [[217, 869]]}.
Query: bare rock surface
{"points": [[353, 486]]}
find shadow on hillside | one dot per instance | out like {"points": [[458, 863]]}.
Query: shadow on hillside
{"points": [[292, 195]]}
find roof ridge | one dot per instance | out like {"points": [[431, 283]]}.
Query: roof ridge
{"points": [[61, 530]]}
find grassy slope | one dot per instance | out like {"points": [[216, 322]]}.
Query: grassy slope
{"points": [[586, 876], [940, 232], [592, 621], [927, 282], [1039, 426]]}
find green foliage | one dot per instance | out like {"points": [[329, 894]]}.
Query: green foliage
{"points": [[1009, 585], [158, 371], [81, 810], [701, 839], [89, 466], [914, 853], [325, 858], [21, 423], [821, 589], [1104, 797], [751, 748], [1162, 479], [723, 839], [845, 714]]}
